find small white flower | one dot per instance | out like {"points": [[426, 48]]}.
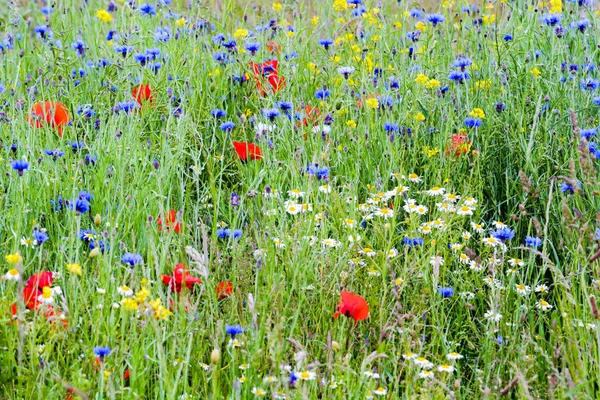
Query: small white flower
{"points": [[445, 368], [380, 391], [492, 315], [295, 193], [414, 178], [543, 305], [125, 291], [12, 275], [454, 356], [523, 290], [306, 375]]}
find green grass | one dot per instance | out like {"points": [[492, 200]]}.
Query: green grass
{"points": [[171, 154]]}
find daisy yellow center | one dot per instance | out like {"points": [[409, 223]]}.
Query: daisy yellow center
{"points": [[305, 375], [543, 303], [125, 288], [46, 292], [13, 272]]}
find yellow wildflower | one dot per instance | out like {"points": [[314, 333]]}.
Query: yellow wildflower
{"points": [[477, 113], [74, 268], [13, 258], [180, 22], [419, 117], [372, 103], [422, 79], [340, 5], [103, 16], [277, 7], [535, 72], [240, 33]]}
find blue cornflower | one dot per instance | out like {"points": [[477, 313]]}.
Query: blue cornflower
{"points": [[57, 205], [218, 113], [390, 127], [142, 58], [148, 9], [326, 43], [415, 13], [597, 234], [588, 133], [98, 244], [79, 47], [346, 71], [223, 233], [47, 10], [394, 84], [568, 188], [413, 242], [462, 63], [472, 122], [85, 195], [80, 206], [86, 111], [596, 101], [220, 56], [508, 37], [90, 159], [233, 330], [230, 44], [285, 106], [581, 25], [322, 94], [162, 34], [76, 145], [446, 291], [589, 84], [111, 35], [125, 106], [236, 233], [320, 173], [500, 107], [54, 153], [533, 241], [271, 113], [43, 31], [503, 234], [552, 19], [123, 50], [101, 352], [40, 236], [458, 76], [435, 19], [132, 259], [414, 36], [252, 47], [218, 38], [20, 166], [227, 126]]}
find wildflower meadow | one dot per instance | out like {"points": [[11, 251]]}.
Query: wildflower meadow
{"points": [[337, 199]]}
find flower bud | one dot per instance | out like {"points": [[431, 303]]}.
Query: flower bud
{"points": [[215, 356]]}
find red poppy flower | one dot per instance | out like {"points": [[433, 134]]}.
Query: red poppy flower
{"points": [[52, 113], [179, 278], [224, 290], [268, 71], [170, 222], [308, 115], [39, 280], [142, 93], [352, 306], [30, 297], [247, 151], [459, 144]]}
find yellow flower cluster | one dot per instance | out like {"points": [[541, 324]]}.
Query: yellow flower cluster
{"points": [[477, 113], [340, 5], [133, 304], [556, 6], [424, 80], [103, 16]]}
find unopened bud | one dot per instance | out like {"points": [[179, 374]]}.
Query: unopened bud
{"points": [[97, 220], [335, 345], [215, 356], [95, 252]]}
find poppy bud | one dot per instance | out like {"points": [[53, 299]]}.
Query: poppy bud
{"points": [[335, 345], [215, 356], [95, 252], [97, 220]]}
